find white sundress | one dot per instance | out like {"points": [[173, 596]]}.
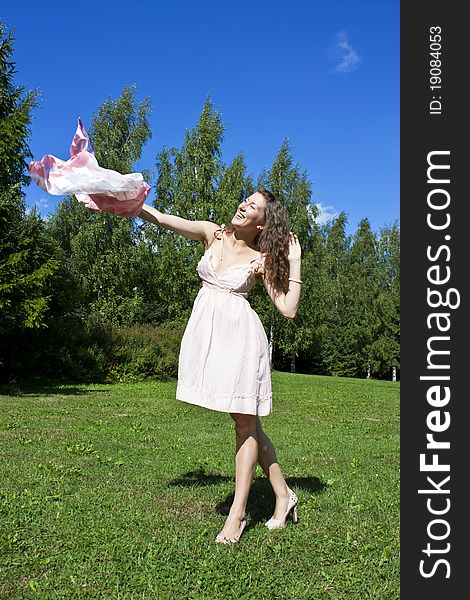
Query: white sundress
{"points": [[224, 358]]}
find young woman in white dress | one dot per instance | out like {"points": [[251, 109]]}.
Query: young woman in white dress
{"points": [[256, 245]]}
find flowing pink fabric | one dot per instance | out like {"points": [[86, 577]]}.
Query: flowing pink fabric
{"points": [[99, 189]]}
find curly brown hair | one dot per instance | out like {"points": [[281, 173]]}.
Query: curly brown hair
{"points": [[273, 242]]}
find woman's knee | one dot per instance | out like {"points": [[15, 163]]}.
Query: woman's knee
{"points": [[244, 424]]}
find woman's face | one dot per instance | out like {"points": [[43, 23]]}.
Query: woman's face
{"points": [[251, 212]]}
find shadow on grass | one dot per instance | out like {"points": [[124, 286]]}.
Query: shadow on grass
{"points": [[261, 501], [199, 478], [44, 389]]}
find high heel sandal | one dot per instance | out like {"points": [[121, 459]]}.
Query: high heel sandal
{"points": [[292, 507], [221, 539]]}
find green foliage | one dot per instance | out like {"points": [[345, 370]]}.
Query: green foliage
{"points": [[384, 351], [293, 190], [146, 352], [25, 277], [71, 350], [27, 260], [119, 131], [16, 106], [234, 187], [362, 316], [67, 350]]}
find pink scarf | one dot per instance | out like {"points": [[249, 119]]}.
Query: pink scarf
{"points": [[99, 189]]}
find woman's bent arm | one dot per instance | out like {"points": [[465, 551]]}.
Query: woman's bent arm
{"points": [[287, 303], [196, 230]]}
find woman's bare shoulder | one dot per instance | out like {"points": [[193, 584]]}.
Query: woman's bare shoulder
{"points": [[211, 231]]}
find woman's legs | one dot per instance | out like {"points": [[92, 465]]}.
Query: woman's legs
{"points": [[252, 446], [268, 462], [245, 464]]}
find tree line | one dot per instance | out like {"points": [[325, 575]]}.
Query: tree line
{"points": [[88, 295]]}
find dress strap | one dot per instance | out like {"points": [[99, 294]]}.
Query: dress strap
{"points": [[219, 234]]}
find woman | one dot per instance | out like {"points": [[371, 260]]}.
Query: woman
{"points": [[224, 358]]}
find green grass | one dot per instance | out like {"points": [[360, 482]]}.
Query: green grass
{"points": [[117, 491]]}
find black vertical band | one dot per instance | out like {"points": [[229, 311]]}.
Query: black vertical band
{"points": [[435, 434]]}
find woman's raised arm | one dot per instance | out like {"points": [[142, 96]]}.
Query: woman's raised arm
{"points": [[196, 230], [287, 303]]}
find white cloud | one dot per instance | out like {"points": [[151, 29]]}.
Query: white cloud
{"points": [[343, 52], [325, 214], [42, 203]]}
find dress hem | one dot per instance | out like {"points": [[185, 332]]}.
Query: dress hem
{"points": [[242, 403]]}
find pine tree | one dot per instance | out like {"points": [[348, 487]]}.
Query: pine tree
{"points": [[314, 302], [25, 264], [361, 289], [385, 350], [362, 297], [337, 342]]}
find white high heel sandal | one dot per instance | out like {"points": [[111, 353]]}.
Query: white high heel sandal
{"points": [[292, 507]]}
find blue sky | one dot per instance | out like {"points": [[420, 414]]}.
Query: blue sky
{"points": [[324, 75]]}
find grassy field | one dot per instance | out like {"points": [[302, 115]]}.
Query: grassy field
{"points": [[117, 491]]}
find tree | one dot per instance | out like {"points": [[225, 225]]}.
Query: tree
{"points": [[26, 265], [363, 293], [337, 340], [384, 351]]}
